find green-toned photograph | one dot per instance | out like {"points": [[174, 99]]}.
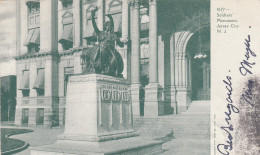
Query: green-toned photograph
{"points": [[106, 77]]}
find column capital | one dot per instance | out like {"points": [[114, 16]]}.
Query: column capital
{"points": [[134, 3], [152, 2]]}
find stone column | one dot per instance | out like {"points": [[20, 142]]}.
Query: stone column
{"points": [[189, 73], [184, 70], [135, 57], [48, 25], [23, 13], [188, 79], [125, 51], [153, 43], [100, 13], [183, 93], [77, 18], [60, 24], [153, 92], [172, 69], [49, 43], [125, 19]]}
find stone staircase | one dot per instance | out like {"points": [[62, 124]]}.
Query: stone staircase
{"points": [[187, 133]]}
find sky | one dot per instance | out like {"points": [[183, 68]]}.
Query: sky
{"points": [[7, 37]]}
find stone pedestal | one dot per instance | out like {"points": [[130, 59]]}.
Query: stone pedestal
{"points": [[153, 105], [98, 120]]}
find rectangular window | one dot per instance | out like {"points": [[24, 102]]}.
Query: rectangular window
{"points": [[67, 72], [40, 116], [25, 116], [144, 19], [40, 92], [33, 37], [31, 20], [39, 82], [67, 4], [33, 48], [37, 20], [33, 7], [37, 8], [33, 14], [26, 93], [115, 9], [67, 37], [24, 84], [33, 40]]}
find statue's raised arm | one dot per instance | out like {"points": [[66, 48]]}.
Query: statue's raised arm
{"points": [[93, 12]]}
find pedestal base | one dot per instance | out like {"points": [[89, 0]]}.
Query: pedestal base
{"points": [[131, 146], [98, 120]]}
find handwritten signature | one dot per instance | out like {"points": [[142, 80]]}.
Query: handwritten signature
{"points": [[223, 148], [244, 69], [247, 95], [245, 64]]}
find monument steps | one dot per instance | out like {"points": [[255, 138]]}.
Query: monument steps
{"points": [[188, 129], [172, 121]]}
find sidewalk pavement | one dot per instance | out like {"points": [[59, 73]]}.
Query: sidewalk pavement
{"points": [[39, 136]]}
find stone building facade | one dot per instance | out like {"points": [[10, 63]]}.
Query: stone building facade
{"points": [[164, 37]]}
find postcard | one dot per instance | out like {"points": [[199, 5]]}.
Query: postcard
{"points": [[109, 77]]}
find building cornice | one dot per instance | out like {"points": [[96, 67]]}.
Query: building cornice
{"points": [[73, 50], [52, 53], [35, 55]]}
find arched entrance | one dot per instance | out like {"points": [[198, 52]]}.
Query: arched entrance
{"points": [[188, 72], [198, 48]]}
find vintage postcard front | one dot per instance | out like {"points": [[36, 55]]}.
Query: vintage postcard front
{"points": [[235, 77], [169, 77]]}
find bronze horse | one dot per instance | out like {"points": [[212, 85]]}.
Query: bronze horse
{"points": [[103, 58]]}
